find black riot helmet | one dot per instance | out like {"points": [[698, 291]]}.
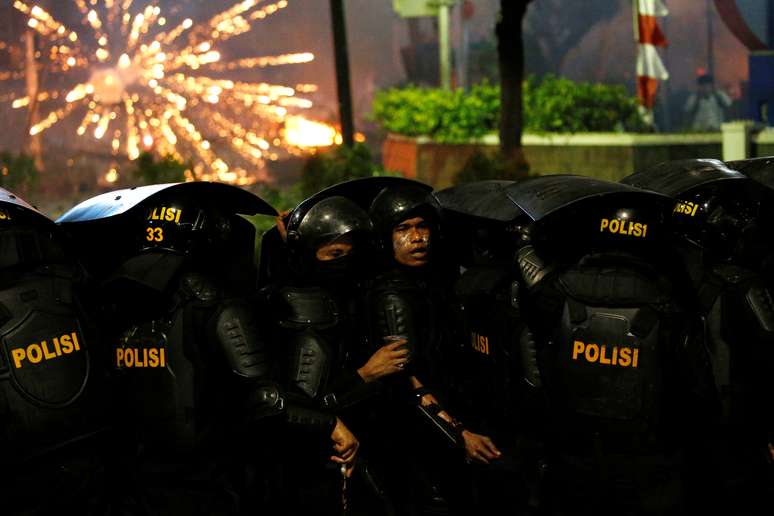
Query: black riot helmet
{"points": [[715, 207], [197, 219], [324, 221], [27, 237], [181, 225], [395, 204]]}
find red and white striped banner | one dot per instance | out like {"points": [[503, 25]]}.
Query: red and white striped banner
{"points": [[650, 68]]}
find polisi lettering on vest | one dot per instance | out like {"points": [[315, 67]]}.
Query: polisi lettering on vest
{"points": [[46, 350], [165, 213], [479, 343], [686, 208], [140, 357], [623, 227], [4, 215], [623, 356]]}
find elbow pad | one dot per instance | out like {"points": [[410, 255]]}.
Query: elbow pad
{"points": [[267, 401]]}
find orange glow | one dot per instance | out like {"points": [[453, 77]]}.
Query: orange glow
{"points": [[300, 132]]}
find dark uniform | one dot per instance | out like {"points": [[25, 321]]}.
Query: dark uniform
{"points": [[415, 303], [184, 342], [612, 357], [717, 216], [315, 342], [53, 393]]}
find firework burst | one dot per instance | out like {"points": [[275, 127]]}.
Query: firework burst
{"points": [[153, 83]]}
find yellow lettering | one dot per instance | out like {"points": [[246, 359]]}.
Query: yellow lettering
{"points": [[592, 352], [34, 353], [161, 353], [577, 349], [634, 357], [177, 215], [602, 358], [644, 230], [604, 224], [170, 215], [615, 355], [129, 357], [153, 357], [75, 341], [139, 357], [57, 347], [119, 356], [46, 353], [67, 344], [637, 230], [18, 355], [625, 357]]}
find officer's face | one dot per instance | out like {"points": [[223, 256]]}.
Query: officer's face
{"points": [[333, 250], [410, 241]]}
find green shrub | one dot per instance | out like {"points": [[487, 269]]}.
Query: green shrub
{"points": [[447, 116], [17, 170], [551, 104], [555, 104], [167, 170]]}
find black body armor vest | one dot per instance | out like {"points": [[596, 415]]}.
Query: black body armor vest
{"points": [[182, 367], [47, 399], [611, 343]]}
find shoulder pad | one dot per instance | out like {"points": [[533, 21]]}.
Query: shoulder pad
{"points": [[200, 287], [308, 306], [237, 333]]}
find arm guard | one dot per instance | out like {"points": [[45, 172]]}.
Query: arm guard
{"points": [[245, 352], [449, 432], [529, 360], [242, 346], [391, 314]]}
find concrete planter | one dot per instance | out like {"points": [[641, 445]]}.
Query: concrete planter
{"points": [[608, 156]]}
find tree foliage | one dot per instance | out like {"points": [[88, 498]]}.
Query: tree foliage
{"points": [[166, 170], [554, 27], [336, 165], [17, 170]]}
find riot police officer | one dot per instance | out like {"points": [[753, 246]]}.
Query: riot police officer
{"points": [[612, 358], [53, 394], [717, 224], [408, 299], [184, 343], [314, 305], [491, 393]]}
